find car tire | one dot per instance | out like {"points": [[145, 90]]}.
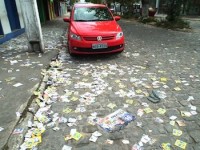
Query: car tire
{"points": [[70, 53]]}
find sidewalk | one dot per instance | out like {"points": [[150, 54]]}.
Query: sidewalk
{"points": [[20, 74]]}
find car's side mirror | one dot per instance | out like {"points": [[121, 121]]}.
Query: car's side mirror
{"points": [[66, 19], [117, 18]]}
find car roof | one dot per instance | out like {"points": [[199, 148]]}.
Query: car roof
{"points": [[88, 5]]}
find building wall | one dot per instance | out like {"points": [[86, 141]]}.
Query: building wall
{"points": [[19, 10], [7, 32], [4, 18], [48, 10]]}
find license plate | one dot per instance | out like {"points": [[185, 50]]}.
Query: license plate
{"points": [[99, 46]]}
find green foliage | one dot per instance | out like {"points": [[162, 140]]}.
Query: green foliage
{"points": [[127, 15], [173, 9], [177, 24], [147, 20], [94, 1]]}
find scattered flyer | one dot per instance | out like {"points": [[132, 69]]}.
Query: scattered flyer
{"points": [[111, 105], [140, 112], [163, 79], [173, 118], [115, 121], [181, 123], [177, 132], [108, 141], [136, 147], [18, 131], [1, 129], [186, 114], [67, 110], [172, 123], [66, 147], [125, 142], [145, 139], [177, 89], [181, 144], [148, 110], [161, 111], [166, 146], [17, 84], [97, 134], [93, 138], [77, 136]]}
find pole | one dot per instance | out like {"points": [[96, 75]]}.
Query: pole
{"points": [[32, 25], [157, 6]]}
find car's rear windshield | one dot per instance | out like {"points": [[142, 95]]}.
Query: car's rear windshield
{"points": [[92, 14]]}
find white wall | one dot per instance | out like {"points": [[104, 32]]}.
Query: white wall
{"points": [[4, 18], [19, 10]]}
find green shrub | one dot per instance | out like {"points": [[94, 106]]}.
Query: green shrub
{"points": [[147, 20], [127, 15], [177, 24]]}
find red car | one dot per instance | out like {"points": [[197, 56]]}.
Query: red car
{"points": [[93, 30]]}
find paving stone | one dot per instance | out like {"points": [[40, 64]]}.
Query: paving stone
{"points": [[198, 122], [162, 139], [88, 147], [195, 102], [195, 134], [192, 125], [135, 133], [94, 106], [172, 112], [172, 104], [103, 112], [89, 129], [196, 146], [169, 128], [116, 146], [83, 141], [198, 109], [186, 138], [181, 97], [116, 135], [184, 103], [152, 129], [188, 147], [146, 121], [196, 95], [192, 118]]}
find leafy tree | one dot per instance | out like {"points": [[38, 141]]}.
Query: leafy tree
{"points": [[173, 9], [145, 7]]}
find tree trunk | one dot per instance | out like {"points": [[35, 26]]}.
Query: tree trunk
{"points": [[145, 7]]}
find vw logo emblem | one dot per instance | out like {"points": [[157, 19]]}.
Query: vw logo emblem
{"points": [[99, 38]]}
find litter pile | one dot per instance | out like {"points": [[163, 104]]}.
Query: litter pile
{"points": [[84, 92]]}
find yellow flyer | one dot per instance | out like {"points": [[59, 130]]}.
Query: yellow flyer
{"points": [[181, 144]]}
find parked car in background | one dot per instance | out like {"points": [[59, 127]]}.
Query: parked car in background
{"points": [[93, 30]]}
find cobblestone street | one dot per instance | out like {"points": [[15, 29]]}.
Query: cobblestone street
{"points": [[82, 89]]}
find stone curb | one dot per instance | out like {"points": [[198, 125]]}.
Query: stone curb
{"points": [[15, 141]]}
